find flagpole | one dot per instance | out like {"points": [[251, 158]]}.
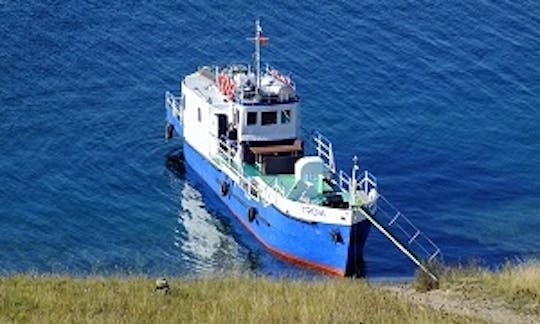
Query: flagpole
{"points": [[258, 52]]}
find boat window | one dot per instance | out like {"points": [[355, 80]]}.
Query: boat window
{"points": [[199, 114], [252, 118], [285, 116], [269, 117]]}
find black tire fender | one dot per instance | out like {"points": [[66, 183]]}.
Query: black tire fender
{"points": [[224, 188], [252, 213], [169, 131]]}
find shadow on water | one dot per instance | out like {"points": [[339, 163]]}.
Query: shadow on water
{"points": [[174, 161]]}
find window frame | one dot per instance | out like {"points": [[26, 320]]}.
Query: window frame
{"points": [[269, 118], [249, 121]]}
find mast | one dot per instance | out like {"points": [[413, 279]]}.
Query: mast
{"points": [[353, 184], [259, 39], [258, 31]]}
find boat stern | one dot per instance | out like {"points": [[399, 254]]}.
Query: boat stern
{"points": [[173, 115]]}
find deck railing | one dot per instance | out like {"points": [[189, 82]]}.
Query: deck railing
{"points": [[367, 182], [227, 154], [343, 181], [174, 103], [324, 150], [279, 187]]}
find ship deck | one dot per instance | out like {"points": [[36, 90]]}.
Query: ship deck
{"points": [[287, 182]]}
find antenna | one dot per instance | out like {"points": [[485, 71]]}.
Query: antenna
{"points": [[258, 31], [259, 39], [353, 184]]}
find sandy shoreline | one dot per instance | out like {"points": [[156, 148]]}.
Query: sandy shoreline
{"points": [[450, 301]]}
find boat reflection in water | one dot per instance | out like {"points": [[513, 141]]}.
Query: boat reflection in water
{"points": [[204, 240], [209, 240]]}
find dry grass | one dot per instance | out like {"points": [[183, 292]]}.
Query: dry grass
{"points": [[25, 298], [517, 285], [423, 282]]}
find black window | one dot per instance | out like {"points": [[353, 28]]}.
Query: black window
{"points": [[199, 114], [251, 118], [269, 117]]}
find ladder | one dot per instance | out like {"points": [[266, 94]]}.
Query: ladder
{"points": [[416, 245]]}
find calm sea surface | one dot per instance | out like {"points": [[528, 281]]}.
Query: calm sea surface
{"points": [[441, 101]]}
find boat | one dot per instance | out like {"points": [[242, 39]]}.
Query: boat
{"points": [[241, 132]]}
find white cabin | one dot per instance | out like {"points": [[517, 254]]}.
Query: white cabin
{"points": [[223, 102]]}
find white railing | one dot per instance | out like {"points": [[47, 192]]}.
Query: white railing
{"points": [[227, 151], [324, 150], [227, 154], [174, 103], [279, 187], [368, 182], [343, 181]]}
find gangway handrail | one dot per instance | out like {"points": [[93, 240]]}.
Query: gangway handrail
{"points": [[413, 227], [399, 245], [413, 237]]}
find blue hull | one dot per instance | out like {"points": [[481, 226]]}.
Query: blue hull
{"points": [[314, 245]]}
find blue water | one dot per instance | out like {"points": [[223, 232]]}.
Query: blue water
{"points": [[441, 101]]}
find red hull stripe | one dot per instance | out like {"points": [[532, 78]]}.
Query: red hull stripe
{"points": [[291, 258]]}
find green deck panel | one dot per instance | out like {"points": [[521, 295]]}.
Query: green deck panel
{"points": [[250, 170], [285, 181], [327, 187]]}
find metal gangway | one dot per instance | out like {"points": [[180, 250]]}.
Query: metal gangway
{"points": [[416, 245]]}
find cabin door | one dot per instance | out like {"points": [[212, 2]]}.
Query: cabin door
{"points": [[222, 125], [218, 129]]}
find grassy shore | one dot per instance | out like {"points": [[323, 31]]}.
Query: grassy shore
{"points": [[25, 298], [243, 299], [517, 286]]}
